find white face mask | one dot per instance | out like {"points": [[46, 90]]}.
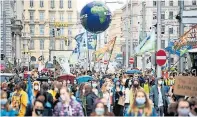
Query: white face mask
{"points": [[83, 91], [36, 87], [159, 82], [56, 89]]}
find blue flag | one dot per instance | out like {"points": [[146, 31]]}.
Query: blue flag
{"points": [[91, 40], [29, 91]]}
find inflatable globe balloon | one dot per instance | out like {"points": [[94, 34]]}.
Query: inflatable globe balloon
{"points": [[95, 17]]}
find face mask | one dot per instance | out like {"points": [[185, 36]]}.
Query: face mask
{"points": [[75, 82], [159, 82], [49, 82], [63, 97], [36, 87], [195, 110], [183, 111], [83, 91], [56, 89], [140, 101], [94, 85], [130, 83], [39, 112], [68, 82], [3, 101], [117, 83], [99, 111]]}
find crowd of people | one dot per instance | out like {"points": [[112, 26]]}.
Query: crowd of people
{"points": [[118, 94]]}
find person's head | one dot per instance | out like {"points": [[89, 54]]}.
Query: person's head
{"points": [[136, 83], [38, 107], [183, 108], [64, 94], [128, 83], [87, 89], [160, 81], [45, 87], [141, 101], [68, 82], [172, 109], [36, 85], [3, 98], [117, 84], [4, 86], [75, 82], [123, 80], [94, 83], [193, 105], [100, 108], [20, 86]]}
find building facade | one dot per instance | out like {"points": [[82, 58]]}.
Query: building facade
{"points": [[51, 24], [169, 23]]}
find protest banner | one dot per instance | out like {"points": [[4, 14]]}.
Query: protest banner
{"points": [[185, 86]]}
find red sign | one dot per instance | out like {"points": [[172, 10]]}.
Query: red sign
{"points": [[161, 57], [131, 60], [105, 62]]}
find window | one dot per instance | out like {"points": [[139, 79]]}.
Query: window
{"points": [[69, 4], [170, 3], [31, 15], [52, 16], [193, 2], [52, 4], [171, 15], [154, 16], [163, 29], [170, 30], [52, 44], [32, 28], [61, 4], [41, 29], [62, 43], [154, 3], [162, 3], [162, 44], [179, 3], [69, 31], [62, 31], [31, 46], [69, 17], [162, 15], [41, 3], [31, 3], [41, 16], [41, 44], [61, 16]]}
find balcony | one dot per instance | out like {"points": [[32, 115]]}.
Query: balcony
{"points": [[26, 20], [37, 20]]}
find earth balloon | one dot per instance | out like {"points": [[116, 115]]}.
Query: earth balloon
{"points": [[95, 17]]}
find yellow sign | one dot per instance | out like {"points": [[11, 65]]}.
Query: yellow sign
{"points": [[61, 24], [61, 37]]}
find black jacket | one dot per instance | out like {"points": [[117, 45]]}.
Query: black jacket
{"points": [[90, 100]]}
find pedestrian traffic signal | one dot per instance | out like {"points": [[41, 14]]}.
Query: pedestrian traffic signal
{"points": [[2, 56], [53, 32]]}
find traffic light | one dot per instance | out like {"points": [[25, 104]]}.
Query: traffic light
{"points": [[2, 56], [53, 32]]}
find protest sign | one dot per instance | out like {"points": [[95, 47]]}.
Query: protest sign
{"points": [[185, 86]]}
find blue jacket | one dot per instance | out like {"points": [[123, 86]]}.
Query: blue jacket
{"points": [[8, 113], [139, 114], [154, 96]]}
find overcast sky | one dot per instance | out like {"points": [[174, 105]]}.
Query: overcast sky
{"points": [[112, 6]]}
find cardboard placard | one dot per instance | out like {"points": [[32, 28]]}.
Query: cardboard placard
{"points": [[185, 86]]}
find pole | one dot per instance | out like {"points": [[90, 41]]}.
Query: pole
{"points": [[181, 31], [4, 30], [127, 34], [131, 33], [143, 34], [169, 55], [158, 33]]}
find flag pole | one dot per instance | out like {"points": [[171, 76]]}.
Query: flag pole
{"points": [[110, 55], [95, 49], [88, 58]]}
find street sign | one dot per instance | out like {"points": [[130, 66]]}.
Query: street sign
{"points": [[105, 62], [161, 57], [131, 60]]}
